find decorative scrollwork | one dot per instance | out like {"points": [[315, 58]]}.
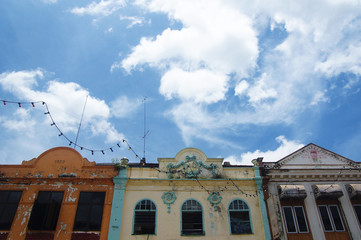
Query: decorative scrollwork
{"points": [[191, 167]]}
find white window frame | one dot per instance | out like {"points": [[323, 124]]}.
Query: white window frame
{"points": [[295, 220], [331, 218]]}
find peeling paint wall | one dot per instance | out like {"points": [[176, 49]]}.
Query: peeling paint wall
{"points": [[58, 169], [153, 182]]}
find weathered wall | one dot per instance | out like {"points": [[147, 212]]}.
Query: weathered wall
{"points": [[58, 169], [151, 183]]}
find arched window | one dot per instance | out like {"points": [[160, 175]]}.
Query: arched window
{"points": [[192, 218], [144, 217], [239, 217]]}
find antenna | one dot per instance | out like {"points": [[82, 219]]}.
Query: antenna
{"points": [[145, 131], [77, 135]]}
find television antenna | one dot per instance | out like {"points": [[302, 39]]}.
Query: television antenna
{"points": [[81, 120], [145, 132]]}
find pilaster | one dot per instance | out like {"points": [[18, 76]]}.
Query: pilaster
{"points": [[262, 203], [118, 201]]}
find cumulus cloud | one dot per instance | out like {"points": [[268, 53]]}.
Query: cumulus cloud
{"points": [[65, 102], [285, 148], [223, 38], [102, 8], [123, 106], [277, 58], [189, 86]]}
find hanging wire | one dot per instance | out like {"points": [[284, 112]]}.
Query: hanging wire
{"points": [[61, 134]]}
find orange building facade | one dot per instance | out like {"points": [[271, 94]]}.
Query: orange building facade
{"points": [[58, 195]]}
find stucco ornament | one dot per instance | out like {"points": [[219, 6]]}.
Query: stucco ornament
{"points": [[169, 198], [191, 167], [214, 198]]}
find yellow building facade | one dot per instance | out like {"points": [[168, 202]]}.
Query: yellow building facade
{"points": [[188, 196]]}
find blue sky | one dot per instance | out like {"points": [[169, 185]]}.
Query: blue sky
{"points": [[236, 79]]}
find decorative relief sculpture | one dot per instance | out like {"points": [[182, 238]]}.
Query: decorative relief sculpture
{"points": [[191, 168], [169, 198]]}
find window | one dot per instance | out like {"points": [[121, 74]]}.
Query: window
{"points": [[239, 217], [9, 201], [45, 211], [295, 219], [144, 217], [357, 208], [192, 218], [331, 218], [89, 212]]}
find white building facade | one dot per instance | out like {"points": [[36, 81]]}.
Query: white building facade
{"points": [[313, 193]]}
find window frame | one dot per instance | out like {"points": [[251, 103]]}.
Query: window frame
{"points": [[91, 210], [248, 210], [140, 210], [295, 219], [8, 204], [358, 219], [202, 233], [45, 213], [331, 219]]}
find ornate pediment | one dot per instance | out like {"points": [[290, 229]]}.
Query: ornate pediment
{"points": [[190, 168], [313, 156], [191, 163]]}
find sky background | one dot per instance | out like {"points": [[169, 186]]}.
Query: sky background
{"points": [[236, 79]]}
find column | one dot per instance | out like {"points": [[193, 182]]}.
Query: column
{"points": [[349, 213], [22, 216], [258, 180], [312, 213], [67, 213], [117, 206]]}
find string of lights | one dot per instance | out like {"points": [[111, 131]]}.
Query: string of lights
{"points": [[61, 133], [312, 192], [182, 173]]}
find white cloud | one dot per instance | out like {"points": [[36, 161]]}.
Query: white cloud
{"points": [[286, 147], [189, 86], [65, 102], [207, 39], [102, 8], [20, 121], [122, 107], [241, 88], [222, 46], [133, 20]]}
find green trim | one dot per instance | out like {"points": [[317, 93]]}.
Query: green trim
{"points": [[249, 214], [181, 220], [192, 179], [155, 220], [262, 203], [117, 204]]}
